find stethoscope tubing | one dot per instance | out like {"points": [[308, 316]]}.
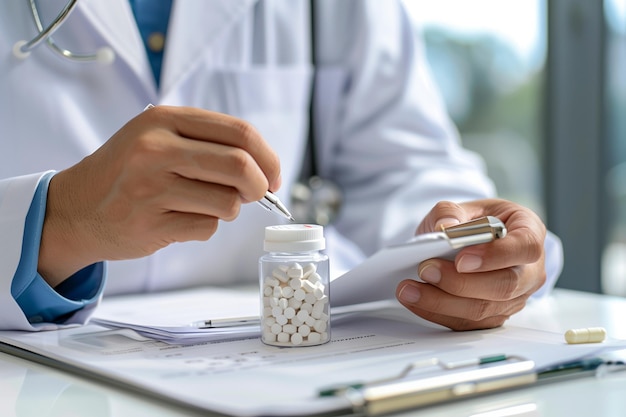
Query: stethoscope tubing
{"points": [[23, 48], [45, 33]]}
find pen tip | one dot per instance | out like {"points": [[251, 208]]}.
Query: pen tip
{"points": [[291, 219]]}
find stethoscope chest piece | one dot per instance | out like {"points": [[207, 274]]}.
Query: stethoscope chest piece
{"points": [[315, 201]]}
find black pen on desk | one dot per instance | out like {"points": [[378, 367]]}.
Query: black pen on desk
{"points": [[226, 322], [269, 202]]}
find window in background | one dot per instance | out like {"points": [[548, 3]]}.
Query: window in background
{"points": [[614, 251], [488, 58]]}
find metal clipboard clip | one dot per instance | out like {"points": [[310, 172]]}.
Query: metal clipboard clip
{"points": [[482, 230], [459, 380]]}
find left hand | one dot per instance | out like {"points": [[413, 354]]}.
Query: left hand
{"points": [[486, 283]]}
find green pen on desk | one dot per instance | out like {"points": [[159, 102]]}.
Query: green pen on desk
{"points": [[341, 389]]}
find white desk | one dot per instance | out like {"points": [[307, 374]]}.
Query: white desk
{"points": [[31, 390]]}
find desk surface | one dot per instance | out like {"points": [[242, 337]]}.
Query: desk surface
{"points": [[31, 390]]}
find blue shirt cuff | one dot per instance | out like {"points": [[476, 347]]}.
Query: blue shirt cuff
{"points": [[39, 301]]}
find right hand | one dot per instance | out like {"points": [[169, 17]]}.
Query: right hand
{"points": [[169, 175]]}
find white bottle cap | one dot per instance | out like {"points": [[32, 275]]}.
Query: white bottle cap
{"points": [[294, 238]]}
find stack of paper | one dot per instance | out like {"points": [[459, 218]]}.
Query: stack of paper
{"points": [[183, 317]]}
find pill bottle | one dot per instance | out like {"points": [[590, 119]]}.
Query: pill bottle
{"points": [[294, 278]]}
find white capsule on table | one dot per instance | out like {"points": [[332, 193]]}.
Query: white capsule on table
{"points": [[585, 335]]}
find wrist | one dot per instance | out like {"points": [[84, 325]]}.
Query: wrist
{"points": [[62, 251]]}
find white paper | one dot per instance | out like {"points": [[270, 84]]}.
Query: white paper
{"points": [[168, 316], [247, 378], [377, 277]]}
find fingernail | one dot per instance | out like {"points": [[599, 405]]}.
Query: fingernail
{"points": [[430, 273], [469, 263], [409, 294]]}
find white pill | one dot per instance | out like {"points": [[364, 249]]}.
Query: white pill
{"points": [[280, 275], [319, 293], [282, 337], [271, 281], [308, 286], [299, 294], [277, 311], [269, 321], [315, 278], [287, 292], [296, 339], [290, 328], [277, 292], [308, 270], [295, 271], [281, 319], [290, 312], [267, 291], [276, 328], [303, 315], [304, 330], [283, 303], [296, 321], [310, 299], [314, 337], [295, 283], [586, 335], [295, 304], [320, 326]]}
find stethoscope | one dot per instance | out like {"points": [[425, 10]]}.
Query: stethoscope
{"points": [[23, 48], [313, 198]]}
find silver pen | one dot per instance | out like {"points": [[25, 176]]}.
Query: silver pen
{"points": [[226, 322], [271, 203]]}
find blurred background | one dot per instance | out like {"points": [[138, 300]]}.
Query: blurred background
{"points": [[538, 88]]}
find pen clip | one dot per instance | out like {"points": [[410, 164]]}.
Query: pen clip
{"points": [[481, 230]]}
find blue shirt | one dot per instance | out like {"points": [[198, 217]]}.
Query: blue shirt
{"points": [[39, 301], [152, 18]]}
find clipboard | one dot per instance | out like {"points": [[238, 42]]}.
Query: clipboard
{"points": [[376, 278]]}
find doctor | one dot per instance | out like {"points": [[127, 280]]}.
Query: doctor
{"points": [[88, 176]]}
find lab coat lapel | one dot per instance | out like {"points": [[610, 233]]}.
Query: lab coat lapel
{"points": [[195, 26], [115, 22]]}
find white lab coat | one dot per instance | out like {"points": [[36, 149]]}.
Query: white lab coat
{"points": [[383, 134]]}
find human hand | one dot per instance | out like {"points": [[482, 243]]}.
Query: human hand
{"points": [[486, 283], [169, 175]]}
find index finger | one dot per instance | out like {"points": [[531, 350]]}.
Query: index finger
{"points": [[522, 245], [200, 124]]}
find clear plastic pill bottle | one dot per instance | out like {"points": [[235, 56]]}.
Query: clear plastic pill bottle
{"points": [[295, 283]]}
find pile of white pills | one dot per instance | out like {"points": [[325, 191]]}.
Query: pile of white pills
{"points": [[295, 306]]}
